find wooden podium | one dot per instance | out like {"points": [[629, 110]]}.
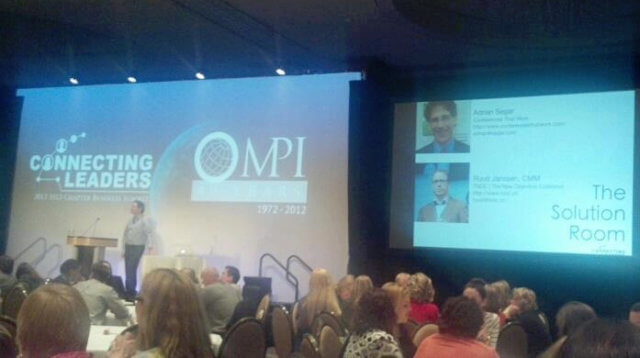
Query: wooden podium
{"points": [[87, 253]]}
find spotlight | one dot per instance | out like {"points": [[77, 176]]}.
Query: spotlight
{"points": [[280, 71], [132, 79], [199, 76], [73, 80]]}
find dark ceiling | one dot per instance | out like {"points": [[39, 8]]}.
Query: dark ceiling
{"points": [[44, 42]]}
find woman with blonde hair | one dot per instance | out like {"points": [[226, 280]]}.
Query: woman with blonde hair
{"points": [[53, 322], [423, 310], [171, 319], [401, 300], [321, 297], [524, 310], [361, 285]]}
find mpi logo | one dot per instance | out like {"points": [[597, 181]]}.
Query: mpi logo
{"points": [[273, 175]]}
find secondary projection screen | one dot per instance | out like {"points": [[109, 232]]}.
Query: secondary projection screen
{"points": [[229, 169], [544, 174]]}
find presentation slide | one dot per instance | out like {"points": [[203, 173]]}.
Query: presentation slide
{"points": [[229, 169], [542, 174]]}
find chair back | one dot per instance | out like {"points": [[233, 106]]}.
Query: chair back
{"points": [[330, 343], [325, 318], [8, 347], [410, 327], [309, 347], [282, 330], [555, 350], [512, 341], [263, 307], [423, 332], [13, 301], [246, 338], [295, 317]]}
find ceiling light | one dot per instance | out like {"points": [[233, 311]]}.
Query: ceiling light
{"points": [[199, 76], [280, 71], [132, 79], [73, 80]]}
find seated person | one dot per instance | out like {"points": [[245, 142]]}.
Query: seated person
{"points": [[69, 273], [251, 297], [423, 310], [321, 297], [344, 292], [442, 118], [191, 274], [171, 321], [603, 338], [28, 276], [475, 290], [53, 322], [373, 323], [231, 276], [101, 298], [570, 317], [402, 279], [115, 281], [6, 280], [459, 325], [219, 300], [524, 310]]}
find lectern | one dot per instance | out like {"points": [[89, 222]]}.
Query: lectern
{"points": [[90, 250]]}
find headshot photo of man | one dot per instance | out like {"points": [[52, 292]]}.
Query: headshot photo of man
{"points": [[443, 208], [442, 119]]}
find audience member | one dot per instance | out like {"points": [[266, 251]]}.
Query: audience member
{"points": [[101, 298], [374, 321], [114, 281], [361, 285], [28, 276], [251, 297], [171, 320], [498, 298], [69, 273], [53, 322], [219, 299], [600, 338], [231, 275], [209, 276], [402, 279], [423, 310], [344, 291], [191, 274], [6, 268], [460, 322], [571, 316], [401, 301], [475, 290], [321, 297], [634, 314], [524, 310]]}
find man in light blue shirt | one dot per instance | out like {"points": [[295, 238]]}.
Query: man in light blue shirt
{"points": [[138, 235]]}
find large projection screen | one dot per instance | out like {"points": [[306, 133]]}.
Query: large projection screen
{"points": [[229, 169]]}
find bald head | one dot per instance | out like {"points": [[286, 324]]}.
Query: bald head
{"points": [[209, 276]]}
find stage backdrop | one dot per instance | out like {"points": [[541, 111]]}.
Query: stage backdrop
{"points": [[229, 169]]}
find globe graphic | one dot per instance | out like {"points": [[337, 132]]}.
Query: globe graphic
{"points": [[216, 157]]}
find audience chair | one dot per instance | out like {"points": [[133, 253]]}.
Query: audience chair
{"points": [[282, 330], [512, 341], [246, 338], [8, 347], [295, 317], [309, 347], [411, 327], [555, 350], [263, 308], [327, 319], [13, 301], [423, 332], [330, 343], [10, 324]]}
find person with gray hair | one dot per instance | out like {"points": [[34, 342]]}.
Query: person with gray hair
{"points": [[524, 310]]}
